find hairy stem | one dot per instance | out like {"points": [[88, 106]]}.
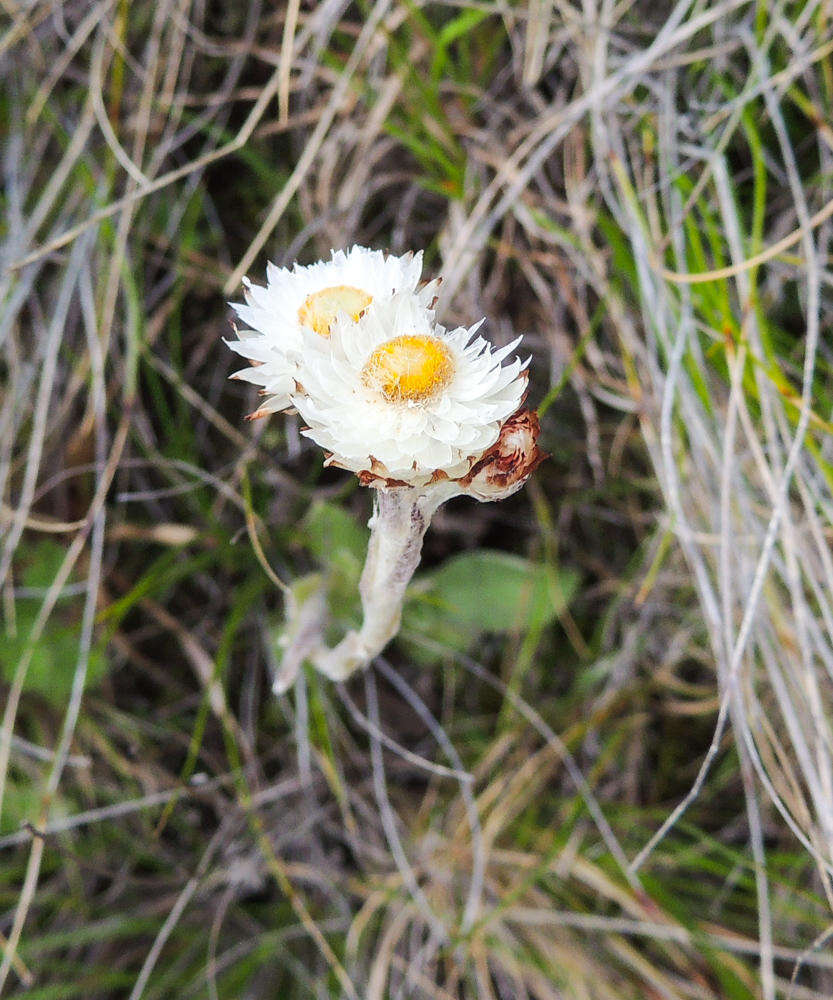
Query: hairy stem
{"points": [[398, 525]]}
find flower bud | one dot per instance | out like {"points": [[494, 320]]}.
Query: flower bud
{"points": [[507, 465]]}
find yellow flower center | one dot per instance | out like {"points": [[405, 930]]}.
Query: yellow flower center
{"points": [[409, 368], [321, 308]]}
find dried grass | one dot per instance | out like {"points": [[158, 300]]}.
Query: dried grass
{"points": [[646, 193]]}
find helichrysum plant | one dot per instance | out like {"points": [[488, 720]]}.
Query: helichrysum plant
{"points": [[418, 412]]}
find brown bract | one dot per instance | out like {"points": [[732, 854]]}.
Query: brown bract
{"points": [[507, 465], [377, 482]]}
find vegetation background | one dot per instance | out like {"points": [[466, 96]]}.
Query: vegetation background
{"points": [[598, 763]]}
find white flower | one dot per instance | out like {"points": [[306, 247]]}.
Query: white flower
{"points": [[304, 300], [419, 412], [401, 400]]}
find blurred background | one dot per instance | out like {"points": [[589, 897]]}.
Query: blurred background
{"points": [[598, 762]]}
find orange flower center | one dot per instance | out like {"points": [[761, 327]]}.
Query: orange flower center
{"points": [[409, 367], [321, 308]]}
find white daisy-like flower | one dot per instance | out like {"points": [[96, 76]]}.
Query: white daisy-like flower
{"points": [[400, 400], [300, 301], [418, 412]]}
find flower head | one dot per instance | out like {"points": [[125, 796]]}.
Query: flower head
{"points": [[418, 412], [299, 301], [353, 345], [400, 400]]}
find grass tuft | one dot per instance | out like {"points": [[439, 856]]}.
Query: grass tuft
{"points": [[608, 773]]}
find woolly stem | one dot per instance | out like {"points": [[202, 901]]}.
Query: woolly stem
{"points": [[400, 519]]}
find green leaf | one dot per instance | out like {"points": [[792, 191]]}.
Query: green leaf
{"points": [[330, 533], [53, 662], [21, 804], [491, 591], [55, 655], [339, 544]]}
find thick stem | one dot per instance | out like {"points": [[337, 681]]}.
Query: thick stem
{"points": [[397, 528], [400, 519]]}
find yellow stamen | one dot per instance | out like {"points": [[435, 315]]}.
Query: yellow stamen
{"points": [[321, 308], [409, 367]]}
